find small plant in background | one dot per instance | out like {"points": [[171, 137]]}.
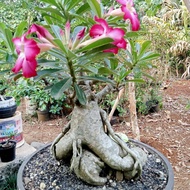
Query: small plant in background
{"points": [[20, 89], [188, 105], [108, 102], [56, 106], [148, 98]]}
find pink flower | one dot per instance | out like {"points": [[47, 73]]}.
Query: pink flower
{"points": [[102, 30], [44, 36], [67, 31], [78, 38], [127, 6], [80, 34], [27, 50], [41, 32]]}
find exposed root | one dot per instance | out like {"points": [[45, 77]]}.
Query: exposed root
{"points": [[137, 165]]}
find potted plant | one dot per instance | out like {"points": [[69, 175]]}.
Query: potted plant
{"points": [[42, 100], [21, 90], [154, 101], [148, 99], [7, 106], [82, 54], [8, 149]]}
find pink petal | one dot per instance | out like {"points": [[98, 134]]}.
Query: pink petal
{"points": [[18, 64], [115, 12], [31, 50], [29, 68], [67, 31], [102, 22], [41, 30], [45, 46], [135, 23], [81, 33], [126, 2], [122, 2], [121, 44], [112, 50], [68, 26], [96, 30], [116, 34], [18, 44], [133, 17]]}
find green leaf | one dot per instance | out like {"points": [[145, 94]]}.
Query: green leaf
{"points": [[20, 28], [111, 63], [83, 8], [56, 31], [58, 54], [100, 49], [144, 48], [50, 10], [149, 56], [59, 88], [87, 68], [123, 74], [132, 34], [97, 78], [61, 46], [96, 7], [45, 72], [51, 2], [4, 71], [97, 43], [145, 74], [7, 36], [80, 95], [136, 80], [92, 58], [105, 70], [72, 4]]}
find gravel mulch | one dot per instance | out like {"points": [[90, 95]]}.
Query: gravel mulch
{"points": [[43, 172]]}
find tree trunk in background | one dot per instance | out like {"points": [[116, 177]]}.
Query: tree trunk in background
{"points": [[133, 111], [187, 3]]}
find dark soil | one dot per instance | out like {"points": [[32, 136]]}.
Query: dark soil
{"points": [[167, 130]]}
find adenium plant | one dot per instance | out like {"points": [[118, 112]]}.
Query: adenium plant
{"points": [[83, 42], [75, 50]]}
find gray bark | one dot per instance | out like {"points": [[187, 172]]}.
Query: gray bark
{"points": [[85, 142]]}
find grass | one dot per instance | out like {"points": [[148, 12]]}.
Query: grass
{"points": [[9, 183]]}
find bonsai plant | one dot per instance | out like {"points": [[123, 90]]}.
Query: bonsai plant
{"points": [[82, 54]]}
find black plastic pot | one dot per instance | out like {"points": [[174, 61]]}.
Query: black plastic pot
{"points": [[170, 174], [43, 115], [8, 153], [7, 111], [152, 106]]}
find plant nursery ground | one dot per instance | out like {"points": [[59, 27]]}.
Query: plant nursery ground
{"points": [[167, 130]]}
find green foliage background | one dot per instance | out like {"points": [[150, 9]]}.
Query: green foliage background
{"points": [[12, 12]]}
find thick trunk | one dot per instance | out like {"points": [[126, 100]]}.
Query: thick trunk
{"points": [[90, 148]]}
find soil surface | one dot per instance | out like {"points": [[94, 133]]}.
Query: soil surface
{"points": [[167, 130]]}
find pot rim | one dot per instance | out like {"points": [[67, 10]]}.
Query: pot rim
{"points": [[9, 147], [170, 181]]}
